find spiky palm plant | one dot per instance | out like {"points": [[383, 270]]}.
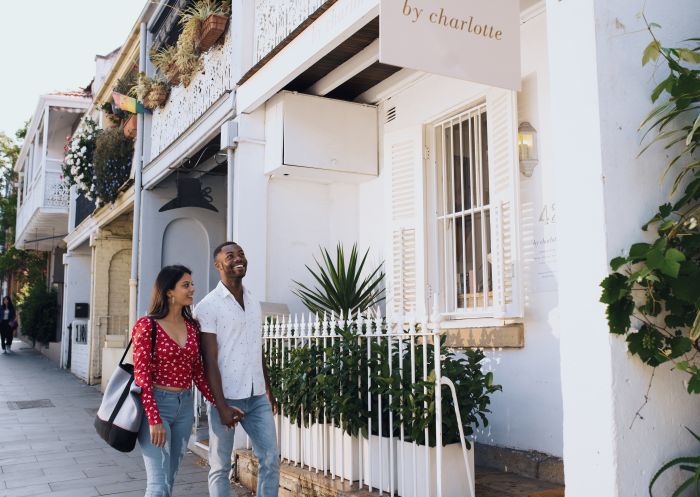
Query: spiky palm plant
{"points": [[341, 287]]}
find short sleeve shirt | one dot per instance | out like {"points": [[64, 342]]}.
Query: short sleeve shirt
{"points": [[239, 340]]}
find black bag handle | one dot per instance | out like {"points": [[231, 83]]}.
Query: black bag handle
{"points": [[153, 343]]}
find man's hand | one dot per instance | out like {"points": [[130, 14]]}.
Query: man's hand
{"points": [[158, 435], [230, 416], [272, 399]]}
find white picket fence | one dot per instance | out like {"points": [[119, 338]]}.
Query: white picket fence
{"points": [[389, 463]]}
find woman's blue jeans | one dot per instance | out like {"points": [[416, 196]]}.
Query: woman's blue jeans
{"points": [[177, 413]]}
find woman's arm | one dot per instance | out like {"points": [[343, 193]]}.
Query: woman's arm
{"points": [[141, 336]]}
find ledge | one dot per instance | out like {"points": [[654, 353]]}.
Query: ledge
{"points": [[461, 335]]}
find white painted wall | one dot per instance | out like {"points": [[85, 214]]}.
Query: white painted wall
{"points": [[184, 236], [303, 216], [76, 289], [604, 193]]}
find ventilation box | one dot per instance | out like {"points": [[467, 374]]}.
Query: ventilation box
{"points": [[320, 139]]}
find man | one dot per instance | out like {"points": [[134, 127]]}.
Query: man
{"points": [[230, 320]]}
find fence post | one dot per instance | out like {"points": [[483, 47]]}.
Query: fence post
{"points": [[438, 398]]}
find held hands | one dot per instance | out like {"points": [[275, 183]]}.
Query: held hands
{"points": [[230, 416], [158, 435]]}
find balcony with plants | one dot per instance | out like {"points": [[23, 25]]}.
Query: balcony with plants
{"points": [[192, 71], [42, 195]]}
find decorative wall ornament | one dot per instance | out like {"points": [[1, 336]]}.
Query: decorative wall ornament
{"points": [[190, 194], [276, 19], [186, 105], [56, 190]]}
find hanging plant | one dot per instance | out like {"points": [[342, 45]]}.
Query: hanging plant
{"points": [[113, 156], [153, 92], [78, 165], [164, 61], [211, 16]]}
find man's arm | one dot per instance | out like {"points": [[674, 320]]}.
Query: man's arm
{"points": [[210, 355], [268, 389]]}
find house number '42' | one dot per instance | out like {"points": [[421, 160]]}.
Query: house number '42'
{"points": [[548, 215]]}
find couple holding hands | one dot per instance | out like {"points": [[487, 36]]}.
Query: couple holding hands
{"points": [[219, 348]]}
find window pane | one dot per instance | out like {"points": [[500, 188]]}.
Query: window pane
{"points": [[485, 160]]}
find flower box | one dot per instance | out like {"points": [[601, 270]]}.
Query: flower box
{"points": [[212, 29], [344, 454], [157, 96], [376, 456], [413, 461], [173, 74], [130, 127]]}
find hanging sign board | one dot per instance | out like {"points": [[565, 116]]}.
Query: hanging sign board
{"points": [[474, 40]]}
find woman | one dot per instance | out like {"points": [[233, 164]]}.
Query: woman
{"points": [[6, 330], [165, 376]]}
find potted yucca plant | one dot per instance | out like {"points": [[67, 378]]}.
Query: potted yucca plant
{"points": [[153, 92], [164, 60]]}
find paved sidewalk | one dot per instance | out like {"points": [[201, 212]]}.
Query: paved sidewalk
{"points": [[54, 451]]}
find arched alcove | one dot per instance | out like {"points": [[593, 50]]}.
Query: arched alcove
{"points": [[186, 242]]}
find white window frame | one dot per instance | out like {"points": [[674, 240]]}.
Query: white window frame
{"points": [[483, 304]]}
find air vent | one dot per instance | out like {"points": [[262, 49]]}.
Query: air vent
{"points": [[391, 114]]}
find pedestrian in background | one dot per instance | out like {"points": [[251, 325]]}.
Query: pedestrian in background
{"points": [[165, 375], [7, 324]]}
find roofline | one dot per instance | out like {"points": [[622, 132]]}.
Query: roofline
{"points": [[46, 101], [128, 51]]}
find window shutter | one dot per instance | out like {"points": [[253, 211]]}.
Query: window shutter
{"points": [[405, 278], [502, 132]]}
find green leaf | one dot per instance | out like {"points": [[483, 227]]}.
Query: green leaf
{"points": [[695, 127], [694, 332], [680, 345], [694, 383], [688, 55], [647, 343], [617, 263], [615, 287], [639, 251], [618, 314], [666, 84], [651, 52]]}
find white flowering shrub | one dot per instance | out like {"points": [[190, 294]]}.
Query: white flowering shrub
{"points": [[78, 166]]}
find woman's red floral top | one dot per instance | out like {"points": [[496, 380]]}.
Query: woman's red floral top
{"points": [[174, 366]]}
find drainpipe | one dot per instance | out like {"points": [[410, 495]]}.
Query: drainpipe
{"points": [[138, 162], [229, 142]]}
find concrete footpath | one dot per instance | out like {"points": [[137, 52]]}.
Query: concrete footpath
{"points": [[48, 446]]}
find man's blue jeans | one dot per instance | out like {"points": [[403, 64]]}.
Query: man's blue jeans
{"points": [[259, 424], [177, 413]]}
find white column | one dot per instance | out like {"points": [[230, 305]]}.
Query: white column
{"points": [[599, 94], [250, 198]]}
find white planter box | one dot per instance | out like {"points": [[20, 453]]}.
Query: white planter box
{"points": [[412, 469], [344, 454], [315, 445], [376, 467], [290, 440]]}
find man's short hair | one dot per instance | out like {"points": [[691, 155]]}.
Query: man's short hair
{"points": [[221, 246]]}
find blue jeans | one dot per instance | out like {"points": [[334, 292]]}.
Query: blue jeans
{"points": [[177, 413], [260, 427]]}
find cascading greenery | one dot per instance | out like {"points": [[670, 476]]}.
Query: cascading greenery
{"points": [[656, 285]]}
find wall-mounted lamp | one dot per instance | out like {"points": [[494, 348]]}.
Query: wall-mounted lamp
{"points": [[527, 148]]}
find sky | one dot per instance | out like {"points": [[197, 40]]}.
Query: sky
{"points": [[49, 45]]}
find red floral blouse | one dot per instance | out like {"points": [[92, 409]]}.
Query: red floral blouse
{"points": [[174, 366]]}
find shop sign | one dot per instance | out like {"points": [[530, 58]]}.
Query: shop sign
{"points": [[474, 40]]}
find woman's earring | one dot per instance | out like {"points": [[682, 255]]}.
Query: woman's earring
{"points": [[172, 300]]}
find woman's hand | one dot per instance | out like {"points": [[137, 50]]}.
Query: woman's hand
{"points": [[158, 435]]}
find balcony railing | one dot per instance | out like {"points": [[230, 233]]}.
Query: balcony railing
{"points": [[186, 105], [275, 20], [47, 190]]}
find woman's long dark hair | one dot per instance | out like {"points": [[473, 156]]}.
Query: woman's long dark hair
{"points": [[9, 303], [166, 281]]}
